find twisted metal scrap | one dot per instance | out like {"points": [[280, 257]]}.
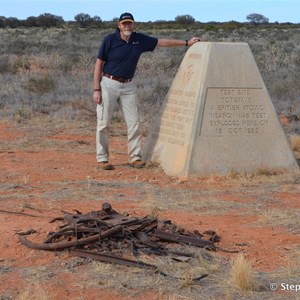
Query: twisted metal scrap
{"points": [[101, 234], [107, 229], [68, 244]]}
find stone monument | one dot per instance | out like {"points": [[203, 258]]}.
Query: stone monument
{"points": [[217, 117]]}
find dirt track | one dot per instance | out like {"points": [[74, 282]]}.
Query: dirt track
{"points": [[51, 167]]}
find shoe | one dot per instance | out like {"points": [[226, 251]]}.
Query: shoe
{"points": [[138, 164], [105, 165]]}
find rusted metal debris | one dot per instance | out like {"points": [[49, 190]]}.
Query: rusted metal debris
{"points": [[68, 244], [125, 262], [109, 236]]}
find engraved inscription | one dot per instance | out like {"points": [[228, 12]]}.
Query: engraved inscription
{"points": [[176, 118], [235, 111], [195, 56], [188, 73]]}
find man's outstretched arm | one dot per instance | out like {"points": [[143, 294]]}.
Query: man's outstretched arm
{"points": [[177, 43]]}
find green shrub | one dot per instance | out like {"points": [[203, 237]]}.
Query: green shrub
{"points": [[20, 63], [22, 114], [4, 64], [39, 85], [210, 27]]}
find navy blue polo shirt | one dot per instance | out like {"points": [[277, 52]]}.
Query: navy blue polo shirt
{"points": [[120, 57]]}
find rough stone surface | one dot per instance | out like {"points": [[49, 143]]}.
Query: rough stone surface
{"points": [[218, 117]]}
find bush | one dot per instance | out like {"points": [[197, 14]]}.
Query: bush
{"points": [[4, 64], [22, 114], [39, 85]]}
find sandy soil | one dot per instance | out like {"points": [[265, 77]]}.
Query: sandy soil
{"points": [[46, 168]]}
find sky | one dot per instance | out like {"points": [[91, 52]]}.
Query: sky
{"points": [[153, 10]]}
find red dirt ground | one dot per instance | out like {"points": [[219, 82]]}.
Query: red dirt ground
{"points": [[31, 164]]}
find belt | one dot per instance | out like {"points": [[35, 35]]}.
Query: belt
{"points": [[120, 79]]}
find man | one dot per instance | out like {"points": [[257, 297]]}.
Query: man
{"points": [[114, 70]]}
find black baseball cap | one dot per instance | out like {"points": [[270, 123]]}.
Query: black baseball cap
{"points": [[126, 17]]}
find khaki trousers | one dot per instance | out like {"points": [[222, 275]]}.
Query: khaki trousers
{"points": [[123, 94]]}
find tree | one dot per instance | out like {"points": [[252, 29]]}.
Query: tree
{"points": [[97, 21], [12, 22], [185, 19], [257, 19], [84, 20], [2, 21], [49, 20], [30, 22]]}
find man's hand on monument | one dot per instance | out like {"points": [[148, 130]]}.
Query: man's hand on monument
{"points": [[193, 40]]}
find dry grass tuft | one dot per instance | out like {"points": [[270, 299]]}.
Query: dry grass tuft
{"points": [[262, 172], [292, 270], [290, 273], [294, 264], [35, 292], [281, 217], [295, 142], [152, 165], [263, 176], [242, 274]]}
